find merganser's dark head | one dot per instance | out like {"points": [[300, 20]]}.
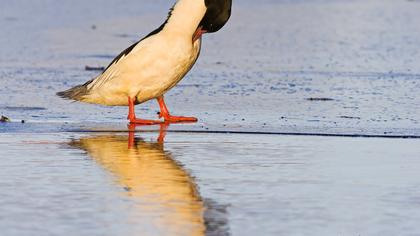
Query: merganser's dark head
{"points": [[217, 14]]}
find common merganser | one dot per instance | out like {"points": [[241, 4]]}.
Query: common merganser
{"points": [[155, 64]]}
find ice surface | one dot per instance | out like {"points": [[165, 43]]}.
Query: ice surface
{"points": [[260, 69]]}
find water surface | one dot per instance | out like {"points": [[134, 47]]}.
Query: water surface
{"points": [[207, 184]]}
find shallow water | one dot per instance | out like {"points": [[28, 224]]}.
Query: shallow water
{"points": [[207, 184]]}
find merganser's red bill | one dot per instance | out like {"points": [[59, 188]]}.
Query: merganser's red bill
{"points": [[198, 33]]}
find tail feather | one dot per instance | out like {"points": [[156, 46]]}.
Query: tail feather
{"points": [[76, 93]]}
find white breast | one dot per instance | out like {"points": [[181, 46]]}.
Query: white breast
{"points": [[169, 67], [153, 67]]}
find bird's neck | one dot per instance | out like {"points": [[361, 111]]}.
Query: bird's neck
{"points": [[185, 17]]}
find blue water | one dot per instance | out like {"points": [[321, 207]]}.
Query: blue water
{"points": [[197, 184]]}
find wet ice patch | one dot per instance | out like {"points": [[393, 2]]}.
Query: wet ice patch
{"points": [[11, 108]]}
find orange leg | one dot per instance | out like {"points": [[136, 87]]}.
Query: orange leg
{"points": [[168, 118], [132, 116]]}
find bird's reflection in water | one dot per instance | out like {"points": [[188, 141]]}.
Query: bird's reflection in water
{"points": [[158, 183]]}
